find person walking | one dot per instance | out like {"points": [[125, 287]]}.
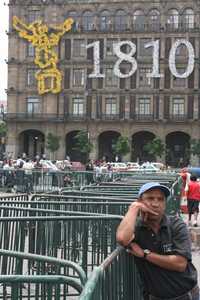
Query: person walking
{"points": [[160, 245], [193, 198]]}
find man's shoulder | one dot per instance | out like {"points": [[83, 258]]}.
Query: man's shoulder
{"points": [[177, 225]]}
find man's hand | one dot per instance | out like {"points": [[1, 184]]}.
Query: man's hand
{"points": [[144, 209], [136, 250]]}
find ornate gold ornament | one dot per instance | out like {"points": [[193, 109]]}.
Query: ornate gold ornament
{"points": [[37, 33]]}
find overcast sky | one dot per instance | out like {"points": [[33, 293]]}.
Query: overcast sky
{"points": [[4, 48]]}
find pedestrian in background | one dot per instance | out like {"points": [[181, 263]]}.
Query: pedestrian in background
{"points": [[193, 198]]}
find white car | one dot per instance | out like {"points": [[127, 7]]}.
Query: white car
{"points": [[132, 166], [118, 166], [148, 168], [48, 165]]}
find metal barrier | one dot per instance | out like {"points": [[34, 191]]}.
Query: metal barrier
{"points": [[86, 240], [115, 279], [41, 180], [39, 208], [39, 287]]}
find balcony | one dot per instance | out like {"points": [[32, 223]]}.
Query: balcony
{"points": [[143, 117], [110, 117], [178, 117], [181, 27], [44, 117], [27, 117]]}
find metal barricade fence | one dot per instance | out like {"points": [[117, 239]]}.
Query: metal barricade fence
{"points": [[115, 279], [32, 274], [61, 207], [86, 240]]}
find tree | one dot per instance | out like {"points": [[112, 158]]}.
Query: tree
{"points": [[83, 144], [53, 143], [121, 147], [195, 147], [155, 147]]}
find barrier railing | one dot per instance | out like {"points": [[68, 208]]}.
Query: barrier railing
{"points": [[115, 279], [86, 240], [41, 180]]}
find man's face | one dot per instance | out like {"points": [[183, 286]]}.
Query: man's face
{"points": [[154, 199]]}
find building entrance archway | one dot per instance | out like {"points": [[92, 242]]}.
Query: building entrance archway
{"points": [[177, 149], [139, 140], [107, 139], [31, 142]]}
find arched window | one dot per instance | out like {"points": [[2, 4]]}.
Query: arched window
{"points": [[154, 19], [121, 20], [88, 21], [188, 18], [74, 15], [105, 21], [139, 20], [173, 19]]}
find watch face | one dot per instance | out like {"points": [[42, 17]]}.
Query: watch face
{"points": [[146, 252]]}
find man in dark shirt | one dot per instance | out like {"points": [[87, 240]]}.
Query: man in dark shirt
{"points": [[160, 245]]}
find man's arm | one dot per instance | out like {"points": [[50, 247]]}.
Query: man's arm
{"points": [[170, 262], [126, 230]]}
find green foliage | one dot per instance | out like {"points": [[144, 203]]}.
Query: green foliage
{"points": [[122, 146], [195, 147], [82, 142], [53, 142], [156, 147], [3, 128]]}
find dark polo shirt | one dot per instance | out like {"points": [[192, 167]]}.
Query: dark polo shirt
{"points": [[171, 239]]}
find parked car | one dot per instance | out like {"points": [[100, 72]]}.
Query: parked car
{"points": [[47, 165], [118, 167], [158, 165], [148, 168], [132, 166]]}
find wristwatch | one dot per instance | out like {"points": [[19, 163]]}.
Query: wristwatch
{"points": [[146, 252]]}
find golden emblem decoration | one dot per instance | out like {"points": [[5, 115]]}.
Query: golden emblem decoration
{"points": [[49, 77]]}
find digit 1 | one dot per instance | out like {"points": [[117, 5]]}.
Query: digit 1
{"points": [[96, 56], [172, 59], [156, 47]]}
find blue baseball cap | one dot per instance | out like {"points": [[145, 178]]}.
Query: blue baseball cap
{"points": [[154, 185]]}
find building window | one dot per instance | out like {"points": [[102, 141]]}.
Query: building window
{"points": [[188, 18], [88, 21], [111, 79], [77, 106], [121, 20], [179, 82], [181, 50], [30, 50], [31, 80], [173, 19], [34, 15], [74, 16], [139, 20], [78, 77], [105, 21], [144, 80], [79, 48], [178, 107], [111, 106], [154, 20], [33, 105], [142, 50], [109, 47], [144, 106]]}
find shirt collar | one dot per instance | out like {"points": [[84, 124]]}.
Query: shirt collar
{"points": [[164, 222]]}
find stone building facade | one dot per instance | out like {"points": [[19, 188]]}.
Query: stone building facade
{"points": [[139, 107]]}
